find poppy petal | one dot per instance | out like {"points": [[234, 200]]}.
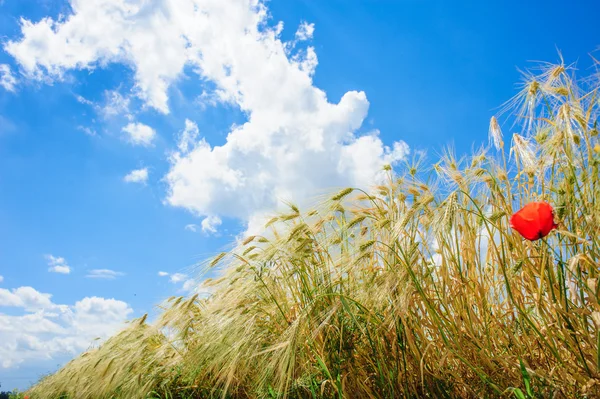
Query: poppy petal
{"points": [[534, 221]]}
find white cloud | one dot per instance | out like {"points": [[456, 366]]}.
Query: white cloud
{"points": [[209, 98], [306, 60], [57, 264], [104, 274], [137, 176], [115, 104], [143, 34], [295, 143], [191, 227], [189, 285], [61, 269], [188, 137], [45, 330], [7, 80], [25, 297], [192, 286], [87, 130], [305, 31], [210, 224], [178, 278], [82, 100], [139, 134], [1, 279]]}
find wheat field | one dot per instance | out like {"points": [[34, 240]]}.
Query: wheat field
{"points": [[415, 288]]}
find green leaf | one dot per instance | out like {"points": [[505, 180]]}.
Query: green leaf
{"points": [[518, 393], [526, 379]]}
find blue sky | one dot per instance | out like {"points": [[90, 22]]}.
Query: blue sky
{"points": [[146, 140]]}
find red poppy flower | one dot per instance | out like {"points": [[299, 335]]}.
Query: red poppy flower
{"points": [[534, 221]]}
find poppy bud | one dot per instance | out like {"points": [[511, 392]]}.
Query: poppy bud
{"points": [[534, 221]]}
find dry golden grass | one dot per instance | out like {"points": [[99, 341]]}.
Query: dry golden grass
{"points": [[418, 288]]}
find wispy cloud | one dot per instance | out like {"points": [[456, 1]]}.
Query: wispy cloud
{"points": [[178, 278], [191, 227], [106, 274], [187, 284], [115, 104], [57, 264], [83, 100], [189, 136], [137, 176], [87, 130], [7, 80]]}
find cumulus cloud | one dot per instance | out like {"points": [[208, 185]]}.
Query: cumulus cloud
{"points": [[137, 176], [139, 134], [211, 224], [7, 80], [295, 142], [57, 264], [140, 33], [25, 297], [163, 274], [106, 274], [45, 330]]}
